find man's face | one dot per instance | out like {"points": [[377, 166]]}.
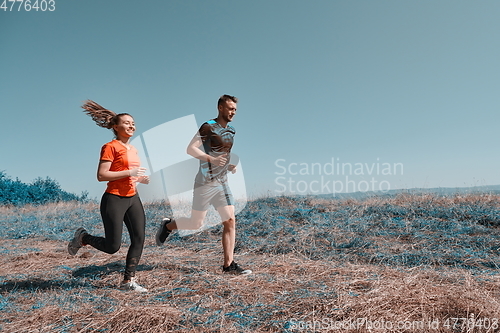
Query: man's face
{"points": [[227, 110]]}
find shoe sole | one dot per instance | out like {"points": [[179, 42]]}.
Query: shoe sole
{"points": [[137, 288], [134, 290], [244, 272]]}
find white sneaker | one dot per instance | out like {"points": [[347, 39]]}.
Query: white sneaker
{"points": [[132, 285]]}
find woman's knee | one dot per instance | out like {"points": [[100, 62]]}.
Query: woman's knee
{"points": [[113, 248], [138, 240]]}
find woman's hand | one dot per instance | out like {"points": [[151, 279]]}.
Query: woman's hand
{"points": [[105, 175], [137, 172], [143, 180]]}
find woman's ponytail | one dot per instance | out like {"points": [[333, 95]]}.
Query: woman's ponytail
{"points": [[102, 116]]}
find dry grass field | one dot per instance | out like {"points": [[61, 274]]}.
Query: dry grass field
{"points": [[405, 263]]}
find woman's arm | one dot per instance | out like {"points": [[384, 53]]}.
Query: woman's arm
{"points": [[104, 175]]}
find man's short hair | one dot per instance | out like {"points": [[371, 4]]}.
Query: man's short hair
{"points": [[224, 98]]}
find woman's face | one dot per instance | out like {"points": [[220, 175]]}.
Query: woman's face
{"points": [[125, 127]]}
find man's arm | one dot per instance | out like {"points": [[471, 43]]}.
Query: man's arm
{"points": [[194, 150]]}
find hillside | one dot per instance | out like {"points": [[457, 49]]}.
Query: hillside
{"points": [[403, 263]]}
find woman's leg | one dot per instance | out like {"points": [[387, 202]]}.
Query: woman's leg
{"points": [[113, 210], [135, 220]]}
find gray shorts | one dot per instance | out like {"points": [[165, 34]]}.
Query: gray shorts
{"points": [[215, 193]]}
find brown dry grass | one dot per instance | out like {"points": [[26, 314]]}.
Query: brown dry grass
{"points": [[43, 289], [50, 292]]}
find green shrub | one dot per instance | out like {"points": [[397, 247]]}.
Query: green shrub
{"points": [[40, 191]]}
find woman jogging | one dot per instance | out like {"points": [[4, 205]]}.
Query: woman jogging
{"points": [[119, 165]]}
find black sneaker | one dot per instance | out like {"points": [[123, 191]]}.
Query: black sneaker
{"points": [[234, 268], [163, 232]]}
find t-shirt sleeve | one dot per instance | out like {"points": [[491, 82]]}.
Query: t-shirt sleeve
{"points": [[204, 132], [107, 153]]}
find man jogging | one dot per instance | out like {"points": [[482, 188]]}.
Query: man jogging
{"points": [[212, 146]]}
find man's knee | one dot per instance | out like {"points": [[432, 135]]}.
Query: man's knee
{"points": [[230, 222], [197, 223]]}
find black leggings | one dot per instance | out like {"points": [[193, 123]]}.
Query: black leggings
{"points": [[114, 211]]}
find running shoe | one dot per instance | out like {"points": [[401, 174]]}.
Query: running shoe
{"points": [[163, 232], [76, 243], [132, 286], [234, 268]]}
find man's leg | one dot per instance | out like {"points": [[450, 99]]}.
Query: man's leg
{"points": [[228, 233], [194, 222], [229, 240], [188, 223], [201, 198]]}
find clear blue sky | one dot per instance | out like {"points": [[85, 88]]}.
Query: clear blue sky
{"points": [[365, 83]]}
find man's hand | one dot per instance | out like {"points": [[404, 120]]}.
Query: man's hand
{"points": [[219, 160], [232, 168]]}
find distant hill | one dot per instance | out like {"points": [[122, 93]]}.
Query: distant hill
{"points": [[443, 191]]}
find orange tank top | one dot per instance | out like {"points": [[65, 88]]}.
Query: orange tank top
{"points": [[121, 159]]}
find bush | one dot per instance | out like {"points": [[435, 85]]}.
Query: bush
{"points": [[40, 191]]}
